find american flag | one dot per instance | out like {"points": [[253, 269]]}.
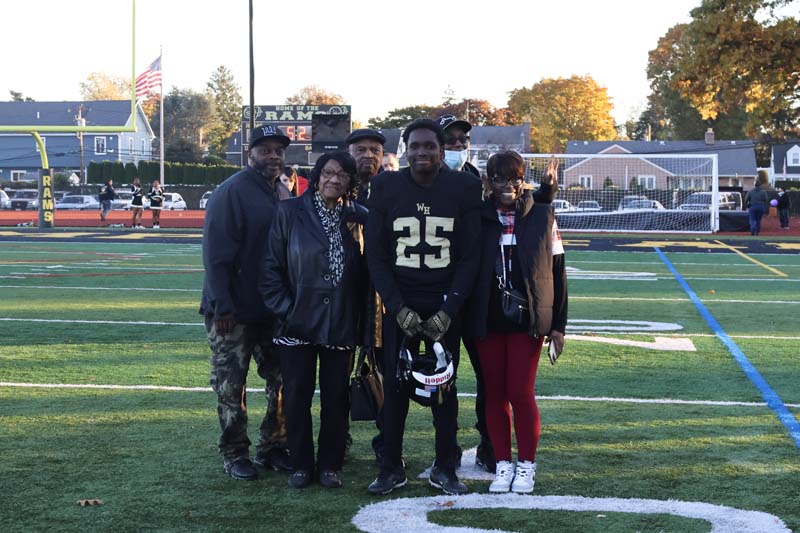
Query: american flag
{"points": [[149, 79]]}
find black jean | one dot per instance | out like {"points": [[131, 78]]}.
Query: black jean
{"points": [[480, 397], [396, 401], [299, 369]]}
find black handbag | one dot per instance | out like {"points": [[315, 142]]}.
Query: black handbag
{"points": [[366, 389], [515, 306], [513, 302]]}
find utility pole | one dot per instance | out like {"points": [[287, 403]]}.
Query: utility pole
{"points": [[80, 121]]}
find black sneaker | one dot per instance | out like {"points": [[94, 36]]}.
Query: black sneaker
{"points": [[449, 483], [457, 456], [386, 482], [330, 479], [484, 458], [275, 458], [241, 469], [300, 479]]}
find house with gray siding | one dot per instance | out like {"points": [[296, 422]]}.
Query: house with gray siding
{"points": [[20, 159]]}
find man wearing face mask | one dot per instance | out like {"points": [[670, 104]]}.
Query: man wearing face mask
{"points": [[366, 147], [456, 156], [238, 326], [456, 144]]}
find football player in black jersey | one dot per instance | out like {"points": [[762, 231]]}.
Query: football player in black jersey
{"points": [[420, 245]]}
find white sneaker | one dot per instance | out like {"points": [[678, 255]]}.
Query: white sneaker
{"points": [[524, 477], [156, 226], [504, 475]]}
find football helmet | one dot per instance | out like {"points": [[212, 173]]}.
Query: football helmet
{"points": [[430, 373]]}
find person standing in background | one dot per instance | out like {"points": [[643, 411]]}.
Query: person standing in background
{"points": [[156, 196]]}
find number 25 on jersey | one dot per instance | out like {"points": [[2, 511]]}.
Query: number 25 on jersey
{"points": [[410, 250]]}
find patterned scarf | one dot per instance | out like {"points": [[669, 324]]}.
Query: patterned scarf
{"points": [[330, 223], [507, 219]]}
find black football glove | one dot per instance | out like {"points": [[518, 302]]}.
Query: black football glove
{"points": [[436, 326], [409, 322]]}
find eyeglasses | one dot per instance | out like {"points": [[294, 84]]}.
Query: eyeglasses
{"points": [[463, 139], [502, 180], [329, 174]]}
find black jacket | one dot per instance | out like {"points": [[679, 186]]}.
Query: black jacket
{"points": [[545, 274], [238, 218], [295, 279], [108, 194]]}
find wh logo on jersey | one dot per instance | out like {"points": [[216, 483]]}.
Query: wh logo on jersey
{"points": [[424, 209]]}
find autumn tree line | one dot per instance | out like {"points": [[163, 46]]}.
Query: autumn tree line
{"points": [[735, 67]]}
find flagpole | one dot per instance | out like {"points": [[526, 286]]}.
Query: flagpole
{"points": [[161, 119]]}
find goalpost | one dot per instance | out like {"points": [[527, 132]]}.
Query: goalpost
{"points": [[45, 181], [676, 193]]}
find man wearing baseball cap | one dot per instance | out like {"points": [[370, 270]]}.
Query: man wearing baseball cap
{"points": [[456, 156], [238, 326], [366, 147], [456, 144]]}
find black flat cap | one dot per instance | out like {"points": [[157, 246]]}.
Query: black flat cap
{"points": [[365, 133]]}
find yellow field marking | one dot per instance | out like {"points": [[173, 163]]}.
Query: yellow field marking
{"points": [[685, 244], [576, 242], [756, 261], [48, 235], [785, 245]]}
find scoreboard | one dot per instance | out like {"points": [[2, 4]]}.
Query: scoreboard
{"points": [[299, 123]]}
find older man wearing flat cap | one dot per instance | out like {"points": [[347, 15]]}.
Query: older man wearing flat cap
{"points": [[366, 147], [238, 325]]}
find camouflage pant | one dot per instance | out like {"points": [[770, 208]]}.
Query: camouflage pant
{"points": [[230, 361]]}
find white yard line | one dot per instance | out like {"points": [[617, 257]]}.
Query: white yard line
{"points": [[704, 300], [588, 298], [560, 398], [56, 287], [598, 333], [118, 322]]}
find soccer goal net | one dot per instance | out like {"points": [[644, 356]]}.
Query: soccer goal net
{"points": [[636, 192]]}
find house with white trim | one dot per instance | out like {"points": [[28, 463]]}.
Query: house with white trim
{"points": [[20, 159], [736, 164], [785, 161]]}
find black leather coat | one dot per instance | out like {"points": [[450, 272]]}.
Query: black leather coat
{"points": [[295, 278]]}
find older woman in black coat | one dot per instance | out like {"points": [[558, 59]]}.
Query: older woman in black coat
{"points": [[313, 280]]}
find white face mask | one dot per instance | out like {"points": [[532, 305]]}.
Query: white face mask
{"points": [[455, 159]]}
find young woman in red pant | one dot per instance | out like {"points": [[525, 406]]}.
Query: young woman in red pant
{"points": [[520, 297]]}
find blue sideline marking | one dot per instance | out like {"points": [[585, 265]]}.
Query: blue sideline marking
{"points": [[774, 401]]}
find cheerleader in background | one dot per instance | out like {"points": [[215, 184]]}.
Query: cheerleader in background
{"points": [[156, 196], [136, 204]]}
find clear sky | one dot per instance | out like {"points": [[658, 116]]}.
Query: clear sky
{"points": [[379, 55]]}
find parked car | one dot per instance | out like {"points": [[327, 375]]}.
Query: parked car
{"points": [[5, 201], [81, 202], [698, 201], [562, 206], [174, 201], [123, 200], [643, 204], [204, 199], [588, 206], [58, 195], [25, 199], [623, 204]]}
